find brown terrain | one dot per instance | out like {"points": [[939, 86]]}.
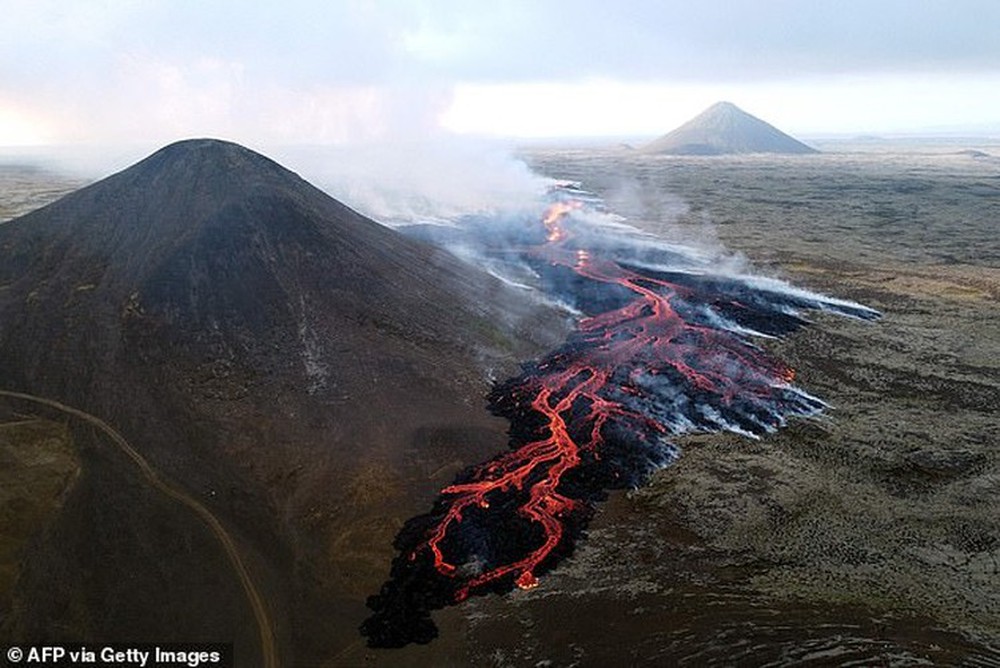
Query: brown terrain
{"points": [[870, 535]]}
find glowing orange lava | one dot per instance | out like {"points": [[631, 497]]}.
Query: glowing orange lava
{"points": [[662, 351], [647, 326], [554, 216]]}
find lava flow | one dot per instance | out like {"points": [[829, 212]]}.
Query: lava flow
{"points": [[660, 352]]}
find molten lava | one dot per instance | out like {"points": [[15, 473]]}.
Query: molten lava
{"points": [[659, 354], [553, 219]]}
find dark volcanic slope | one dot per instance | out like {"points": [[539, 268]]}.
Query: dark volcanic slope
{"points": [[207, 234], [724, 129], [280, 356]]}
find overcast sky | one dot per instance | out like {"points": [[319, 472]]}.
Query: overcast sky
{"points": [[333, 71]]}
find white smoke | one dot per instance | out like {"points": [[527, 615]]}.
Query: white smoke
{"points": [[403, 183]]}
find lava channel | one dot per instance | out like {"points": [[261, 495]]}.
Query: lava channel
{"points": [[658, 354]]}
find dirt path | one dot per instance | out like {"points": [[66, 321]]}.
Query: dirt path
{"points": [[264, 624]]}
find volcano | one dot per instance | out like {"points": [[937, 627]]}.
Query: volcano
{"points": [[265, 377], [725, 129]]}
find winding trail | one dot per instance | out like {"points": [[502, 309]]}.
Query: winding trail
{"points": [[264, 624]]}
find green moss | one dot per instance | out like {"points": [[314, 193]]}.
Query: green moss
{"points": [[38, 465]]}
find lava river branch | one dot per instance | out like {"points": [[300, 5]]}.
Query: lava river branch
{"points": [[663, 349]]}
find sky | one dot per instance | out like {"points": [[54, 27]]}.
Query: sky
{"points": [[347, 71]]}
